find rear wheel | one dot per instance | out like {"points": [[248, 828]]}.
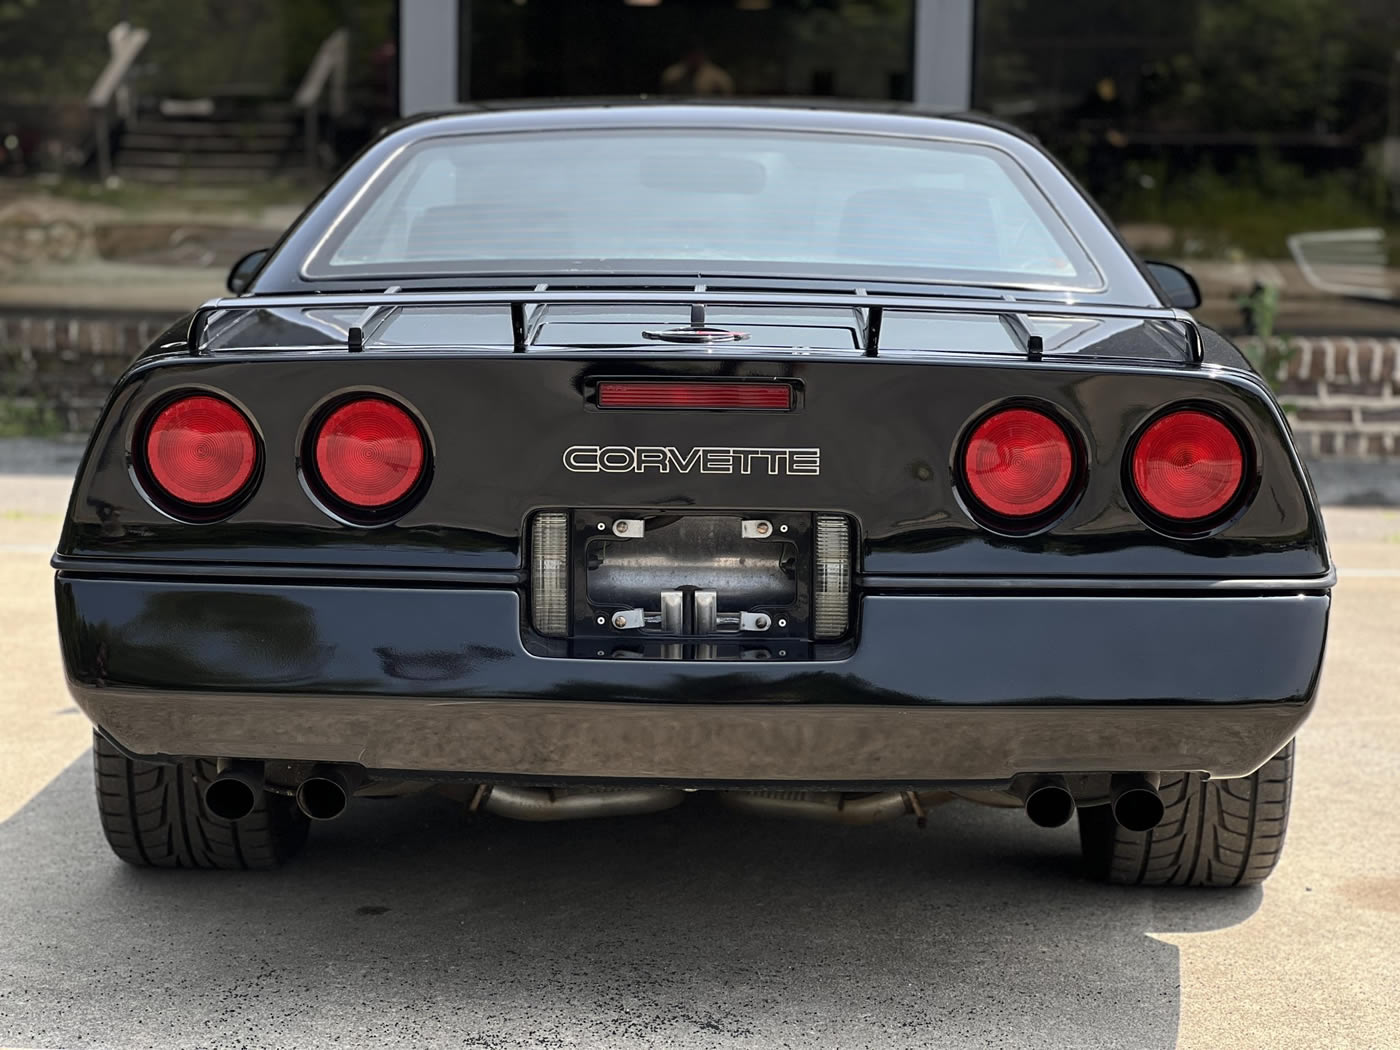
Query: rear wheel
{"points": [[154, 817], [1215, 832]]}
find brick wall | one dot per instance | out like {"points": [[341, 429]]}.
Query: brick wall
{"points": [[1343, 396], [56, 368]]}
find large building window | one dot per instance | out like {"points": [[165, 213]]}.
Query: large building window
{"points": [[563, 48], [1228, 123], [1258, 141]]}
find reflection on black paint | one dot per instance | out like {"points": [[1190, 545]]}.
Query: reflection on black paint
{"points": [[437, 665], [240, 638]]}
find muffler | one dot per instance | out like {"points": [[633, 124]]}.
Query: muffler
{"points": [[1047, 801], [235, 790], [834, 807], [325, 793], [536, 804], [1134, 800]]}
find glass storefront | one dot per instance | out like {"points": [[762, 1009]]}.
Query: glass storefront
{"points": [[1210, 129], [743, 48]]}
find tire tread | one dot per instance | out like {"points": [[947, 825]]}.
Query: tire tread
{"points": [[153, 816], [1213, 833]]}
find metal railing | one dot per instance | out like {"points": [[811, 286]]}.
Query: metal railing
{"points": [[125, 43], [327, 70]]}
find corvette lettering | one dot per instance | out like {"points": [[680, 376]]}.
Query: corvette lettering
{"points": [[667, 459]]}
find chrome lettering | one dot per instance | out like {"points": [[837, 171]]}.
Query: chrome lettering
{"points": [[703, 459]]}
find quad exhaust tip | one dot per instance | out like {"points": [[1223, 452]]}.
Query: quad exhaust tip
{"points": [[1135, 802], [235, 791], [325, 794], [1048, 802]]}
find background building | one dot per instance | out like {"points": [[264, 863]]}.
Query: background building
{"points": [[179, 133], [461, 50]]}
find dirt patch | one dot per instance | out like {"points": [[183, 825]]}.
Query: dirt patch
{"points": [[1379, 893]]}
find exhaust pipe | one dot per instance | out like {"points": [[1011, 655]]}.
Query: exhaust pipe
{"points": [[538, 804], [1048, 802], [325, 793], [235, 791], [1134, 801], [832, 806]]}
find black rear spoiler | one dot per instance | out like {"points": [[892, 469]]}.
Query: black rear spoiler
{"points": [[524, 304]]}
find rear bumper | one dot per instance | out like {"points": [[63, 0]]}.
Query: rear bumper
{"points": [[940, 688]]}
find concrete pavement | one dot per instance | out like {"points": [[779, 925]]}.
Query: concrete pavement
{"points": [[40, 729], [406, 925]]}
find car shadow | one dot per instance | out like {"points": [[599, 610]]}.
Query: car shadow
{"points": [[409, 923]]}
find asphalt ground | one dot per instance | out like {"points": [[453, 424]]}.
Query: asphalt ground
{"points": [[406, 925]]}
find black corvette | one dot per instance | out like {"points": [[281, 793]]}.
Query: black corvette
{"points": [[572, 459]]}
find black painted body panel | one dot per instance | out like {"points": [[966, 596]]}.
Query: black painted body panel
{"points": [[996, 685], [887, 430], [322, 639]]}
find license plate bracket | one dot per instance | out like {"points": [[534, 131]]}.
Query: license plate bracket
{"points": [[692, 583]]}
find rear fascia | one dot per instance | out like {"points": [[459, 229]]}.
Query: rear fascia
{"points": [[500, 423], [1094, 645]]}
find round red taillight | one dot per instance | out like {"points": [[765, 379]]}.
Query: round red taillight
{"points": [[201, 451], [369, 453], [1018, 463], [1188, 465]]}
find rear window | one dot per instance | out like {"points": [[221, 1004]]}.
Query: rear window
{"points": [[716, 203]]}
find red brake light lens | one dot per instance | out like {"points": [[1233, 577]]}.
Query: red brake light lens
{"points": [[1018, 463], [1188, 465], [773, 396], [201, 451], [369, 453]]}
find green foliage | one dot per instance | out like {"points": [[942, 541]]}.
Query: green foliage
{"points": [[1266, 352], [1268, 356], [1264, 65], [25, 417], [50, 48], [53, 50], [1097, 78], [1248, 210], [1260, 307]]}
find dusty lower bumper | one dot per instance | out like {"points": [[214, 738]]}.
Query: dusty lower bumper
{"points": [[940, 687], [758, 743]]}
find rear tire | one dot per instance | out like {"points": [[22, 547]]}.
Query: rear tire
{"points": [[154, 817], [1215, 832]]}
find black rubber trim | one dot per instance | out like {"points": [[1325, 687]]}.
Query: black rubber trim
{"points": [[871, 582], [76, 565], [321, 575]]}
